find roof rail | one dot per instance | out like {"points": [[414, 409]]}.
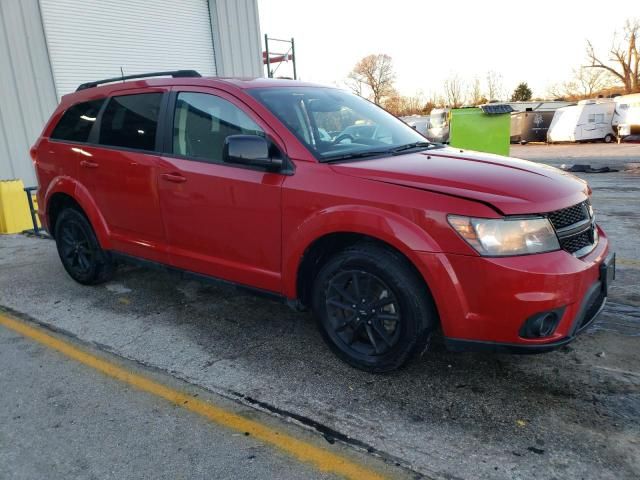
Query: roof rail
{"points": [[172, 73]]}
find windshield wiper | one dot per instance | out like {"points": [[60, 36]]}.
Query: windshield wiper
{"points": [[350, 156], [388, 151], [410, 146]]}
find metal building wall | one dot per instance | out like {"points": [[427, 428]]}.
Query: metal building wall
{"points": [[27, 93], [236, 38]]}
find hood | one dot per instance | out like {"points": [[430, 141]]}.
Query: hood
{"points": [[512, 186]]}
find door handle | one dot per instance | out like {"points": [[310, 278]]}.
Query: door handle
{"points": [[88, 164], [174, 177]]}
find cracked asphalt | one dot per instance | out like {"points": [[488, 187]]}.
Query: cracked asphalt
{"points": [[573, 413]]}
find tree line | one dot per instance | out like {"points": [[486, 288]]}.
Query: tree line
{"points": [[616, 71]]}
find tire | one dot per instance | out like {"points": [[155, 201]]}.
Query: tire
{"points": [[394, 312], [608, 138], [81, 255]]}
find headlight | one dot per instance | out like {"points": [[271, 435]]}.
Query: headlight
{"points": [[503, 237]]}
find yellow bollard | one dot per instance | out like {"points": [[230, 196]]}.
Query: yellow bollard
{"points": [[14, 207]]}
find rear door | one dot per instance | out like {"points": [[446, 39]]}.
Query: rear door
{"points": [[119, 168], [222, 220]]}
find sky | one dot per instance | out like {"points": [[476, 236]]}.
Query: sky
{"points": [[537, 41]]}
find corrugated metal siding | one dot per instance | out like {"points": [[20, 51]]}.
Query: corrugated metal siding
{"points": [[27, 94], [236, 33], [89, 40]]}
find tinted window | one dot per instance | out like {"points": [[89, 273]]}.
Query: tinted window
{"points": [[75, 125], [131, 121], [202, 122]]}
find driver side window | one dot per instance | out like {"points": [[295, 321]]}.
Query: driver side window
{"points": [[202, 122]]}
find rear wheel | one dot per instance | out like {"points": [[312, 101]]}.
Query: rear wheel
{"points": [[608, 138], [372, 308], [81, 255]]}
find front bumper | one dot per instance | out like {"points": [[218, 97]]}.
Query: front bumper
{"points": [[483, 302]]}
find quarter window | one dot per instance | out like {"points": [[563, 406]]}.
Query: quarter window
{"points": [[131, 121], [76, 123], [202, 122]]}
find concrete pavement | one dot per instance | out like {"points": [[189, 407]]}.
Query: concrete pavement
{"points": [[573, 413]]}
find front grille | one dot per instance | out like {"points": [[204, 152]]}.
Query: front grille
{"points": [[569, 216], [577, 242], [574, 231]]}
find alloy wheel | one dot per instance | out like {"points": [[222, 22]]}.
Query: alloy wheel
{"points": [[363, 312]]}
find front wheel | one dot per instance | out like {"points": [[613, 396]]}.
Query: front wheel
{"points": [[81, 255], [373, 309]]}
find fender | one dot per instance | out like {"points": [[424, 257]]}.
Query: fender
{"points": [[384, 225], [77, 191]]}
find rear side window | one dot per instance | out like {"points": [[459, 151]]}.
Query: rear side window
{"points": [[131, 121], [76, 123]]}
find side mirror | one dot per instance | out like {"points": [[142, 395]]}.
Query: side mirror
{"points": [[250, 150]]}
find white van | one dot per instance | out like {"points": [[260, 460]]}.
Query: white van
{"points": [[588, 120], [626, 117]]}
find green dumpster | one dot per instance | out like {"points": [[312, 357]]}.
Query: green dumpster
{"points": [[485, 129]]}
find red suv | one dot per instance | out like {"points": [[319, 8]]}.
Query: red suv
{"points": [[319, 198]]}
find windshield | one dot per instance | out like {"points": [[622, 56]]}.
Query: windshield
{"points": [[336, 125]]}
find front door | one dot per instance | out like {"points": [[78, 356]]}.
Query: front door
{"points": [[221, 220]]}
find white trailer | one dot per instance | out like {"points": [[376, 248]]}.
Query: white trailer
{"points": [[626, 116], [588, 120]]}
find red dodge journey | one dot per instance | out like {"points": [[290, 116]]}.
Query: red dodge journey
{"points": [[320, 198]]}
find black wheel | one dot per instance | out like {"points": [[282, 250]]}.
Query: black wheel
{"points": [[79, 250], [372, 307], [608, 138]]}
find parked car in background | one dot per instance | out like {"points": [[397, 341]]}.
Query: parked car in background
{"points": [[587, 121], [385, 236]]}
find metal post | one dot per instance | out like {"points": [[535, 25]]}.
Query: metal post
{"points": [[266, 48], [293, 59], [28, 191]]}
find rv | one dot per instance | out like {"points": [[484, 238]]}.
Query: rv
{"points": [[587, 121], [530, 126], [439, 125], [530, 120], [626, 117]]}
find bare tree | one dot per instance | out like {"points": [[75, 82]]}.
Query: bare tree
{"points": [[375, 72], [403, 105], [585, 83], [623, 58], [475, 95], [589, 82], [495, 87], [454, 91]]}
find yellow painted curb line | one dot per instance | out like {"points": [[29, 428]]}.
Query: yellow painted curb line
{"points": [[320, 458]]}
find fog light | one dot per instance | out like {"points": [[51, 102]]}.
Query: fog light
{"points": [[541, 324]]}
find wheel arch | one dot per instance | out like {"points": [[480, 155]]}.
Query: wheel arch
{"points": [[314, 243], [65, 192]]}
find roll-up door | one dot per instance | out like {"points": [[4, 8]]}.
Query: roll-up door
{"points": [[94, 39]]}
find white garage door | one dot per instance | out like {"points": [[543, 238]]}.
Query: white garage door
{"points": [[92, 39]]}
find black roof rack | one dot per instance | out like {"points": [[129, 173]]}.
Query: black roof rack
{"points": [[172, 73]]}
